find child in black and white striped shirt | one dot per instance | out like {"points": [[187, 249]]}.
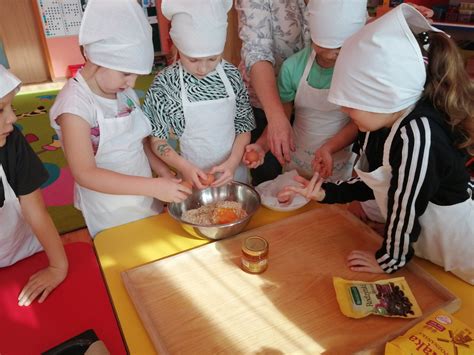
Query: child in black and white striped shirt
{"points": [[201, 100]]}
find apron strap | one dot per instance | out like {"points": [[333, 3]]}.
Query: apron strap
{"points": [[226, 81], [7, 189], [184, 97], [309, 65], [83, 83]]}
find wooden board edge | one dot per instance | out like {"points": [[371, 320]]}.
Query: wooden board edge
{"points": [[453, 302], [379, 346], [144, 317]]}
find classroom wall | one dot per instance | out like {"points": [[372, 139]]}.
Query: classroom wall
{"points": [[60, 52], [63, 51]]}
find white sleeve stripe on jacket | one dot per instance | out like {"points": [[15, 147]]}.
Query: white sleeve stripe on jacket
{"points": [[418, 156], [398, 242], [392, 244]]}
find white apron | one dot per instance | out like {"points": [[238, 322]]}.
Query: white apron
{"points": [[209, 131], [316, 121], [447, 232], [120, 150], [370, 207], [17, 240]]}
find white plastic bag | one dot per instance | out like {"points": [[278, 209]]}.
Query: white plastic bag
{"points": [[268, 191]]}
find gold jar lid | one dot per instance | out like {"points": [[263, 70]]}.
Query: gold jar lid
{"points": [[255, 246]]}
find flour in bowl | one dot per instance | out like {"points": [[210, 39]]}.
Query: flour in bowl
{"points": [[221, 212]]}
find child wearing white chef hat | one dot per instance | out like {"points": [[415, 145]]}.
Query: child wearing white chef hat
{"points": [[103, 130], [404, 85], [201, 99], [323, 135], [26, 227]]}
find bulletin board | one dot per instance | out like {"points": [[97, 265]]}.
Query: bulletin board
{"points": [[60, 18]]}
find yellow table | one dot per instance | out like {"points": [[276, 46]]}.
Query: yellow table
{"points": [[140, 242]]}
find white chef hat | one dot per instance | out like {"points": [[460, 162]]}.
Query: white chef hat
{"points": [[8, 82], [198, 27], [116, 35], [380, 68], [331, 22]]}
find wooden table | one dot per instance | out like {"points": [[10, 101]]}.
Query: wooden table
{"points": [[140, 242]]}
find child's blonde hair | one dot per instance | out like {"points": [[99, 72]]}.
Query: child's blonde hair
{"points": [[449, 87]]}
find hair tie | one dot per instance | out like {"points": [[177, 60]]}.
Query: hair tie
{"points": [[425, 40]]}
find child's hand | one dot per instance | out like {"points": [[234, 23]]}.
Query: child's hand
{"points": [[363, 261], [309, 189], [225, 172], [195, 175], [322, 162], [41, 284], [171, 190], [254, 156]]}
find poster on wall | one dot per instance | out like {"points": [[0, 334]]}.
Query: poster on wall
{"points": [[61, 17], [149, 7]]}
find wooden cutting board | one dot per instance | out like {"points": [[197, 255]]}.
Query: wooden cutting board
{"points": [[200, 301]]}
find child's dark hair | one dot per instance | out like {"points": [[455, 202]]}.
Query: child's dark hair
{"points": [[448, 85]]}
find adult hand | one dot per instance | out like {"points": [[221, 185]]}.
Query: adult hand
{"points": [[252, 164], [322, 162], [363, 261], [41, 284], [171, 190], [310, 189], [280, 138]]}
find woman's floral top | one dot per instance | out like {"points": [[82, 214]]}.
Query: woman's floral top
{"points": [[270, 30]]}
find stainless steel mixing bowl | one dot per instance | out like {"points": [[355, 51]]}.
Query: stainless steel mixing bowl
{"points": [[234, 191]]}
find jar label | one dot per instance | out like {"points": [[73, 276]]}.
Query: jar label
{"points": [[254, 266]]}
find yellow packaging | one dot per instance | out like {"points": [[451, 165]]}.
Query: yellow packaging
{"points": [[440, 333], [388, 298]]}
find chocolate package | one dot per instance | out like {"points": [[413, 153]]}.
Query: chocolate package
{"points": [[388, 298]]}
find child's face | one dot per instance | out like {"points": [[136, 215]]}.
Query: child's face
{"points": [[7, 117], [370, 121], [200, 67], [112, 81], [326, 57]]}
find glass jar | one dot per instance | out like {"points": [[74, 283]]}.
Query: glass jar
{"points": [[254, 255]]}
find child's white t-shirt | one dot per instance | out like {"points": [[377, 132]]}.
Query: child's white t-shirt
{"points": [[77, 100]]}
